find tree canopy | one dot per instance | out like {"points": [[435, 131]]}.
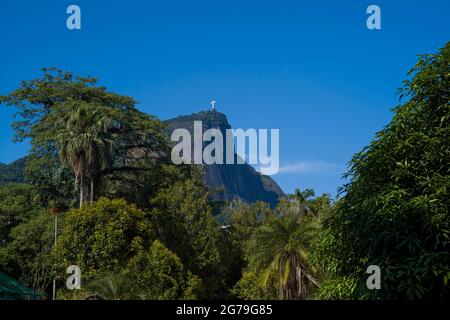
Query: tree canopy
{"points": [[140, 227], [98, 134], [395, 211]]}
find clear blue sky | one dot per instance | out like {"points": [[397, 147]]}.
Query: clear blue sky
{"points": [[310, 68]]}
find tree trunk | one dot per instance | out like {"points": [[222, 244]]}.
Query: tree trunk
{"points": [[81, 190], [92, 191]]}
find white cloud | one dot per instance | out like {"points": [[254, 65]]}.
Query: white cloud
{"points": [[312, 167]]}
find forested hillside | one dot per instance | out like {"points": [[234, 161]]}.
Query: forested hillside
{"points": [[13, 172]]}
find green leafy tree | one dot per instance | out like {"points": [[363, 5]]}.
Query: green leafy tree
{"points": [[239, 220], [252, 286], [26, 255], [395, 212], [114, 242], [43, 104], [25, 236], [160, 275], [98, 238], [16, 207], [245, 218], [183, 216]]}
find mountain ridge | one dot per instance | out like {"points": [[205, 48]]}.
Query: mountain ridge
{"points": [[239, 180], [13, 172], [235, 180]]}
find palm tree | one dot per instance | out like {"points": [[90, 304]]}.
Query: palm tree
{"points": [[114, 286], [85, 144], [301, 198], [281, 247]]}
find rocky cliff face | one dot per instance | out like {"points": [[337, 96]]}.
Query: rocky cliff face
{"points": [[236, 180]]}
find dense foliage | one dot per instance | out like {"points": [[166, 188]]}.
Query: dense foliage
{"points": [[277, 249], [25, 236], [83, 135], [140, 227], [112, 237], [395, 212]]}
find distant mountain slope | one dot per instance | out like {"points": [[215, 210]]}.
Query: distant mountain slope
{"points": [[238, 181], [13, 172]]}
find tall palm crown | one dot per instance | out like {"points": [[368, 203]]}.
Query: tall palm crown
{"points": [[85, 142], [280, 247], [115, 286], [302, 203]]}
